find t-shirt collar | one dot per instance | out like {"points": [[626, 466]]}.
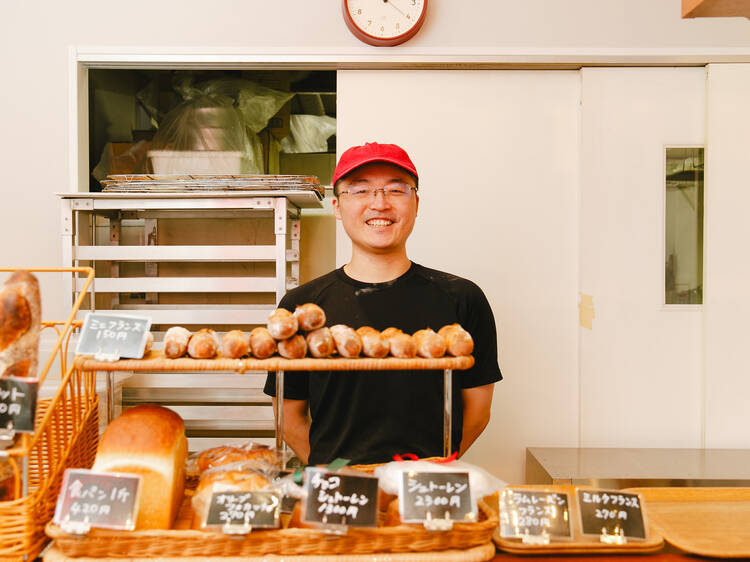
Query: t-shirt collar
{"points": [[382, 285]]}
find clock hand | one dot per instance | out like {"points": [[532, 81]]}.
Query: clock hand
{"points": [[390, 3]]}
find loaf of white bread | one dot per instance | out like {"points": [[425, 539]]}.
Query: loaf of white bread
{"points": [[148, 440], [20, 321]]}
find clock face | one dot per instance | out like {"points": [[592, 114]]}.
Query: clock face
{"points": [[384, 22]]}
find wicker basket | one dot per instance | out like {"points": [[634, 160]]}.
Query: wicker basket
{"points": [[66, 434], [286, 542]]}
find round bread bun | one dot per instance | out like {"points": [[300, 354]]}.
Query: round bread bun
{"points": [[310, 317]]}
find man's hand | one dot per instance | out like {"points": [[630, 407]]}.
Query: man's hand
{"points": [[296, 427], [477, 405]]}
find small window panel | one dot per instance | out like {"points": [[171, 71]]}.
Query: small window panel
{"points": [[683, 255]]}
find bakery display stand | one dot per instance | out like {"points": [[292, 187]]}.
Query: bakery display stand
{"points": [[155, 361]]}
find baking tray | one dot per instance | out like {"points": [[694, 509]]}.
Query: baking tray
{"points": [[705, 521]]}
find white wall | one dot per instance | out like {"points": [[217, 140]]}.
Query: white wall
{"points": [[497, 153], [727, 271]]}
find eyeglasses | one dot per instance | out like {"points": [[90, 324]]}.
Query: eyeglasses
{"points": [[390, 192]]}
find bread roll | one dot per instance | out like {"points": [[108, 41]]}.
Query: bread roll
{"points": [[374, 344], [293, 348], [227, 454], [320, 343], [235, 344], [262, 344], [458, 340], [348, 342], [282, 324], [223, 481], [176, 342], [392, 515], [148, 440], [429, 344], [203, 344], [20, 322], [310, 317], [402, 345]]}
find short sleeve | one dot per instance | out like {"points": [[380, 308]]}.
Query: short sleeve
{"points": [[476, 317]]}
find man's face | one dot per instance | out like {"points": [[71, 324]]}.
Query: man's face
{"points": [[377, 224]]}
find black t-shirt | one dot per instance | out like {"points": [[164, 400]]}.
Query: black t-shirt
{"points": [[368, 416]]}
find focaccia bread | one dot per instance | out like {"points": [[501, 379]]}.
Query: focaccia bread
{"points": [[320, 343], [282, 324], [235, 344], [458, 340], [227, 454], [203, 344], [348, 342], [148, 440], [20, 322], [310, 317], [374, 344], [262, 343], [176, 342], [429, 344]]}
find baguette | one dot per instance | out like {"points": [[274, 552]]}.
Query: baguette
{"points": [[429, 344], [458, 340], [282, 324], [320, 343], [310, 317], [203, 344], [293, 348], [235, 344], [20, 322], [348, 342], [374, 344], [176, 342], [262, 344]]}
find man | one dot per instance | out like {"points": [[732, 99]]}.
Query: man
{"points": [[368, 416]]}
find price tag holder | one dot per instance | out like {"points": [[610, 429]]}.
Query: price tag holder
{"points": [[436, 499], [535, 516], [97, 499], [111, 336], [614, 516], [337, 501], [18, 404], [240, 512]]}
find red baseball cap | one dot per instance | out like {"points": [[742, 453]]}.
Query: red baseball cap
{"points": [[356, 156]]}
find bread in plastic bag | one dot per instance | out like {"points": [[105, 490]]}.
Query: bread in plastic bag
{"points": [[481, 482]]}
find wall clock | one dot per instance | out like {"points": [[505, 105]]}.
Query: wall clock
{"points": [[384, 23]]}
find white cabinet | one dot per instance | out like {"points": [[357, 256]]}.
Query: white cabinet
{"points": [[176, 258]]}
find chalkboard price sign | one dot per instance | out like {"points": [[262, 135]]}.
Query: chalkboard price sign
{"points": [[18, 403], [244, 509], [611, 512], [340, 499], [98, 499], [432, 495], [113, 335], [534, 513]]}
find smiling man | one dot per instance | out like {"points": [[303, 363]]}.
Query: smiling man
{"points": [[368, 416]]}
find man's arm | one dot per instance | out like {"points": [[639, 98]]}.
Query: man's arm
{"points": [[477, 405], [296, 427]]}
